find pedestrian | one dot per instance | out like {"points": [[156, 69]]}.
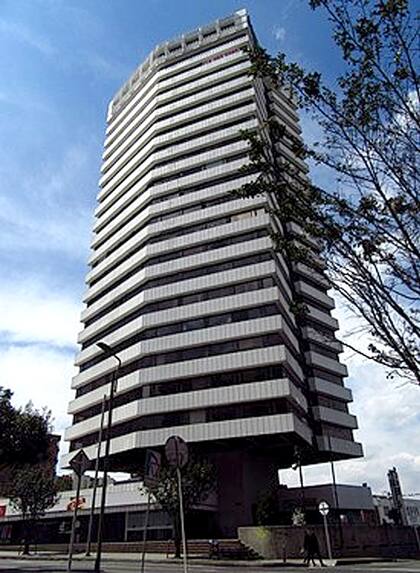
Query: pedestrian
{"points": [[311, 548]]}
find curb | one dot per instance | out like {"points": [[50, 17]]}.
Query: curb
{"points": [[109, 558]]}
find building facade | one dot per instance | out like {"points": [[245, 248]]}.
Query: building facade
{"points": [[186, 287]]}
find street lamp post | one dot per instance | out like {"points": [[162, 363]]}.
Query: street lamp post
{"points": [[109, 352], [95, 482]]}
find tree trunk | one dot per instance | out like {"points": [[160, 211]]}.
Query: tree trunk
{"points": [[26, 539]]}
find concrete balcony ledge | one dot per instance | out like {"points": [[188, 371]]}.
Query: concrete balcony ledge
{"points": [[177, 314], [346, 448], [225, 395], [196, 433], [327, 364], [208, 282], [328, 341], [333, 416], [330, 389]]}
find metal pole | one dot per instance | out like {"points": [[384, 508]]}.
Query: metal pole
{"points": [[337, 505], [95, 482], [302, 489], [181, 510], [146, 525], [73, 523], [327, 537], [105, 468], [416, 533]]}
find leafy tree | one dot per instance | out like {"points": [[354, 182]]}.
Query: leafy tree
{"points": [[24, 432], [267, 507], [198, 482], [367, 223], [33, 491]]}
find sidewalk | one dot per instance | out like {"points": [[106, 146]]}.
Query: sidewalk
{"points": [[199, 560]]}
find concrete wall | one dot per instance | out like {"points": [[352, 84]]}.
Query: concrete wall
{"points": [[278, 542]]}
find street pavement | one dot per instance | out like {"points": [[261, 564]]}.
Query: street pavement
{"points": [[57, 565]]}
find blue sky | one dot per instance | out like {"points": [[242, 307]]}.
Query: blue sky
{"points": [[62, 63]]}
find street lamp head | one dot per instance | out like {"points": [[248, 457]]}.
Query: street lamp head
{"points": [[109, 351], [105, 348]]}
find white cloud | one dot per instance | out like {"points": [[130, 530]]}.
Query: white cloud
{"points": [[38, 331], [41, 375], [31, 313], [48, 210], [279, 33]]}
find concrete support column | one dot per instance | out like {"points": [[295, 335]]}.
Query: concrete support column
{"points": [[242, 477]]}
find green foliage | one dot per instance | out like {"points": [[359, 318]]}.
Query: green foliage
{"points": [[23, 432], [34, 490], [267, 508], [367, 222], [198, 482], [64, 483]]}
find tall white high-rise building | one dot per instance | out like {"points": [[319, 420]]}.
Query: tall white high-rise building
{"points": [[186, 287]]}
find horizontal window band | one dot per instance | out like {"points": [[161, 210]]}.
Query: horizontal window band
{"points": [[196, 383], [181, 355], [182, 300], [211, 414], [198, 323]]}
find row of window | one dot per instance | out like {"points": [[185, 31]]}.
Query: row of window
{"points": [[336, 432], [175, 212], [319, 349], [178, 301], [333, 403], [250, 375], [172, 145], [172, 115], [215, 414], [182, 253], [181, 355], [199, 323], [178, 277], [159, 181], [178, 232], [162, 198]]}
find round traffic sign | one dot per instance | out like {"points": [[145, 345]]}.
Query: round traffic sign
{"points": [[176, 451], [323, 508]]}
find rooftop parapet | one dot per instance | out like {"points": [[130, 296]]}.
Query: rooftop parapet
{"points": [[172, 49]]}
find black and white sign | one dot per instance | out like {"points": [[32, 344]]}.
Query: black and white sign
{"points": [[323, 508], [80, 463]]}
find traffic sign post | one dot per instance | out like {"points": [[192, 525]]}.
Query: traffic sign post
{"points": [[79, 464], [324, 510], [176, 451], [151, 475]]}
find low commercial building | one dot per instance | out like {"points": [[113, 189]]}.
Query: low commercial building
{"points": [[349, 504], [384, 510], [124, 517]]}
